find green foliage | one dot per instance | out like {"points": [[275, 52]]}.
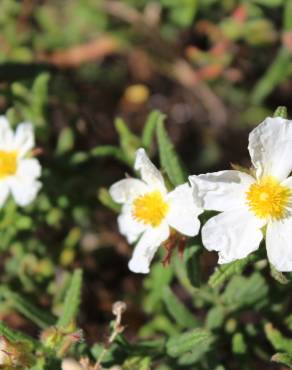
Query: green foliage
{"points": [[278, 341], [72, 300], [245, 291], [213, 68], [16, 336], [225, 271], [197, 341], [281, 112], [168, 158], [150, 127], [177, 309], [26, 308], [128, 141], [283, 358], [155, 283]]}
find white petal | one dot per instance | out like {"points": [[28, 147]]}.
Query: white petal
{"points": [[183, 213], [221, 191], [270, 148], [234, 234], [6, 134], [149, 173], [279, 244], [28, 169], [128, 226], [127, 189], [146, 248], [24, 191], [24, 138], [4, 192]]}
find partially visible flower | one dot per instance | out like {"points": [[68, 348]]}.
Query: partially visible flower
{"points": [[248, 203], [149, 211], [14, 355], [18, 174]]}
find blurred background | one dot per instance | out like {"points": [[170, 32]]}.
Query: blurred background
{"points": [[216, 68]]}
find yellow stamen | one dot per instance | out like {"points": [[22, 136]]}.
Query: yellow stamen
{"points": [[8, 163], [150, 208], [268, 198]]}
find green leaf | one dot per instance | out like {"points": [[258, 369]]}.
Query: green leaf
{"points": [[109, 151], [269, 3], [281, 112], [187, 341], [72, 300], [287, 18], [28, 310], [245, 291], [278, 341], [177, 309], [128, 141], [158, 278], [283, 358], [40, 96], [278, 276], [196, 354], [17, 336], [192, 262], [182, 13], [225, 271], [65, 140], [150, 126], [99, 151], [160, 324], [105, 199], [275, 74], [137, 363], [238, 344], [215, 317], [169, 160]]}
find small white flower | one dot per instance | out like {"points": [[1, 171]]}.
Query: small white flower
{"points": [[149, 211], [248, 203], [18, 174]]}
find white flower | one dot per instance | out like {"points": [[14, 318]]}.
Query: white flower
{"points": [[149, 211], [18, 174], [248, 203]]}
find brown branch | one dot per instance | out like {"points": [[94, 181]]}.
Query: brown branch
{"points": [[77, 55]]}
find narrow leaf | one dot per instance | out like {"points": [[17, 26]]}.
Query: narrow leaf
{"points": [[180, 344], [177, 309], [72, 300], [283, 358], [105, 199], [169, 160], [279, 276], [109, 151], [150, 126], [28, 310], [287, 21], [196, 353], [279, 342], [16, 336], [128, 141], [275, 74], [225, 271]]}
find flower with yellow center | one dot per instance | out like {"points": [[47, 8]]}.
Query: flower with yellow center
{"points": [[18, 174], [149, 211], [248, 203]]}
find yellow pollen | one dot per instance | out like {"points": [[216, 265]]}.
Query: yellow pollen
{"points": [[8, 163], [268, 199], [150, 208]]}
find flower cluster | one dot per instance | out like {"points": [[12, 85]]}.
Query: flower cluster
{"points": [[251, 205]]}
